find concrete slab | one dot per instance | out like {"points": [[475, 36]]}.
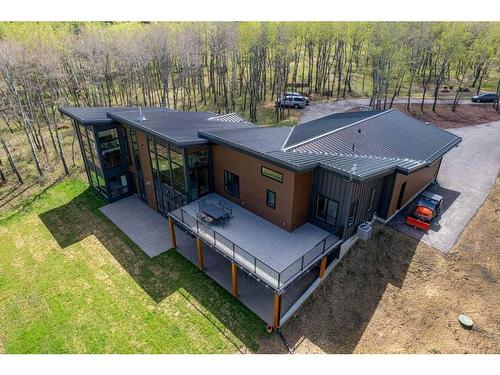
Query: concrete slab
{"points": [[467, 176], [143, 225]]}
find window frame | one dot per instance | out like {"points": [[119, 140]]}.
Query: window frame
{"points": [[280, 180], [327, 205], [226, 175], [273, 206]]}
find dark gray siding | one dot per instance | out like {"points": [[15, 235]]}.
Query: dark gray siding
{"points": [[361, 193], [345, 192], [334, 187], [385, 199]]}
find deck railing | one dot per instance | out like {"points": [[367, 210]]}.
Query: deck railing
{"points": [[278, 280]]}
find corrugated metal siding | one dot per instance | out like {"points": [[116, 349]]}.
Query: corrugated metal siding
{"points": [[332, 186], [362, 192], [340, 189]]}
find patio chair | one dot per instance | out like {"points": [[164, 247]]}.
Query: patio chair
{"points": [[229, 210]]}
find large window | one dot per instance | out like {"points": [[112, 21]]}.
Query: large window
{"points": [[273, 175], [198, 173], [326, 209], [177, 159], [232, 184], [167, 165], [110, 148], [271, 199], [371, 202]]}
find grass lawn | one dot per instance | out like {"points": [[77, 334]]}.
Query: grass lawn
{"points": [[71, 282]]}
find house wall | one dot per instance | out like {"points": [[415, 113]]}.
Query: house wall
{"points": [[343, 191], [142, 144], [334, 187], [415, 182], [292, 195], [361, 193]]}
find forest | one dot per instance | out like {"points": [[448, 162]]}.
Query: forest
{"points": [[240, 67]]}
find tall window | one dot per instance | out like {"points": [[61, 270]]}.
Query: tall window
{"points": [[198, 173], [110, 148], [352, 213], [371, 202], [177, 159], [232, 184], [326, 209], [271, 199]]}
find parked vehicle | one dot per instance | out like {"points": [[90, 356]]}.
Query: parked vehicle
{"points": [[487, 97], [291, 93], [428, 207], [292, 101]]}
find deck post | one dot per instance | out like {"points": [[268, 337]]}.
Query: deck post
{"points": [[277, 310], [234, 279], [199, 246], [322, 267], [172, 231]]}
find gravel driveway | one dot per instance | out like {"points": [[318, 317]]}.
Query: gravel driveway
{"points": [[465, 179]]}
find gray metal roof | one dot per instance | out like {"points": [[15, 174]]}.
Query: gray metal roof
{"points": [[383, 141], [180, 128], [89, 115], [177, 127], [326, 124]]}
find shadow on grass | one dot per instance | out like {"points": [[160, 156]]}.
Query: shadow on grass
{"points": [[336, 316], [160, 276]]}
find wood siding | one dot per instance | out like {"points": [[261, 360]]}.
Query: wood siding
{"points": [[142, 145], [292, 195]]}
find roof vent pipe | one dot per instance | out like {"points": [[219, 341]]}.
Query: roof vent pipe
{"points": [[141, 116]]}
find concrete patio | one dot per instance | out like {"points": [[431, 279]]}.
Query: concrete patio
{"points": [[143, 225]]}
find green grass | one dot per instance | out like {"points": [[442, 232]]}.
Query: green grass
{"points": [[71, 282]]}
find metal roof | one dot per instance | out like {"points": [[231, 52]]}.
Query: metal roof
{"points": [[326, 124], [355, 144], [383, 142], [180, 128]]}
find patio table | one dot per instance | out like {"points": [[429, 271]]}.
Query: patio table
{"points": [[213, 211]]}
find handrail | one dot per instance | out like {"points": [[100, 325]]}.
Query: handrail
{"points": [[277, 279]]}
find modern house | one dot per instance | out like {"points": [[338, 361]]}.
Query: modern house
{"points": [[281, 204]]}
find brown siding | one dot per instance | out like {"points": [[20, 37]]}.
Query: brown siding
{"points": [[414, 183], [142, 144], [292, 195], [301, 198]]}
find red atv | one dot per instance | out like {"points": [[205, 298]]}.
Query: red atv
{"points": [[428, 207]]}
